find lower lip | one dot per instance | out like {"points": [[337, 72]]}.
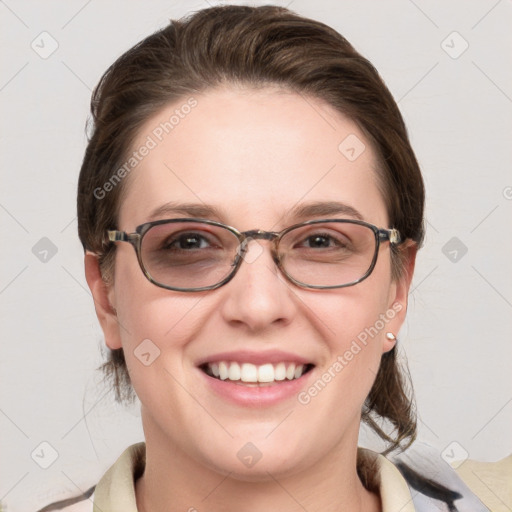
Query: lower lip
{"points": [[257, 396]]}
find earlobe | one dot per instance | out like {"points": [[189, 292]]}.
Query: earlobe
{"points": [[389, 342], [102, 294]]}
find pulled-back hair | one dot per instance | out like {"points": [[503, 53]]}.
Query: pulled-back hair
{"points": [[253, 47]]}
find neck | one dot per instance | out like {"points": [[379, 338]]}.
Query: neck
{"points": [[173, 482]]}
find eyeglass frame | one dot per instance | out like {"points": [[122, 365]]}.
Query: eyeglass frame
{"points": [[391, 235]]}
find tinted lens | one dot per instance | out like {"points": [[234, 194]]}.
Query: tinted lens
{"points": [[188, 255], [328, 253]]}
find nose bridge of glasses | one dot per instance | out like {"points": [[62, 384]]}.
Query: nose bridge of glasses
{"points": [[258, 234]]}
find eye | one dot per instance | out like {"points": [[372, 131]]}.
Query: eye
{"points": [[187, 241], [319, 241], [322, 240]]}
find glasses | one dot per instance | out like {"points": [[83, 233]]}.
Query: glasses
{"points": [[192, 255]]}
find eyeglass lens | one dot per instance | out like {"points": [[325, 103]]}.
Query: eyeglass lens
{"points": [[196, 255]]}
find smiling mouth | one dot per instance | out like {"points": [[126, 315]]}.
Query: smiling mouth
{"points": [[255, 375]]}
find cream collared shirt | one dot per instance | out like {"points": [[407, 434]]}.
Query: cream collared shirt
{"points": [[484, 486], [116, 491]]}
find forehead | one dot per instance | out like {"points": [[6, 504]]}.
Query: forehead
{"points": [[252, 154]]}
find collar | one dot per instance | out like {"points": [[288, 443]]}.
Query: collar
{"points": [[116, 490]]}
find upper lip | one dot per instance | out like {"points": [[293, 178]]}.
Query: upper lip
{"points": [[256, 358]]}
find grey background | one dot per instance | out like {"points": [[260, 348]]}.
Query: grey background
{"points": [[457, 105]]}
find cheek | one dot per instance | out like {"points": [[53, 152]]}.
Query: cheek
{"points": [[354, 321], [155, 325], [145, 319], [353, 314], [146, 310]]}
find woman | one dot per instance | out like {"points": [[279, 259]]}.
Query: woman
{"points": [[262, 173]]}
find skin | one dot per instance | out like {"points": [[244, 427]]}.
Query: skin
{"points": [[254, 155]]}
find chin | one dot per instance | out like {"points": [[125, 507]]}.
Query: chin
{"points": [[264, 470], [258, 460]]}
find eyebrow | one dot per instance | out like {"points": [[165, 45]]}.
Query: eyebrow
{"points": [[324, 208], [297, 213], [198, 210]]}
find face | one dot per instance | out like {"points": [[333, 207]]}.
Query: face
{"points": [[250, 159]]}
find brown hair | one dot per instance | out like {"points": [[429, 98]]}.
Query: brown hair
{"points": [[252, 46]]}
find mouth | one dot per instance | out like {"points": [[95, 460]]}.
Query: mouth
{"points": [[253, 375]]}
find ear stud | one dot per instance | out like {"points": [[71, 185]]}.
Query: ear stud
{"points": [[390, 336]]}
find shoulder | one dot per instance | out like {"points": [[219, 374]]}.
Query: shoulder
{"points": [[79, 503], [420, 480], [490, 481], [117, 486], [435, 483]]}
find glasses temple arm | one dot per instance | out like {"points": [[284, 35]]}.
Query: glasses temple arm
{"points": [[393, 235], [117, 236]]}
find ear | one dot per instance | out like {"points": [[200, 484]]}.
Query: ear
{"points": [[103, 301], [399, 294]]}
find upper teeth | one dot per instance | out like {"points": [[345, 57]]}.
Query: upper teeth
{"points": [[247, 372]]}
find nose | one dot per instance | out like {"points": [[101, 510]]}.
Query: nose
{"points": [[258, 296]]}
